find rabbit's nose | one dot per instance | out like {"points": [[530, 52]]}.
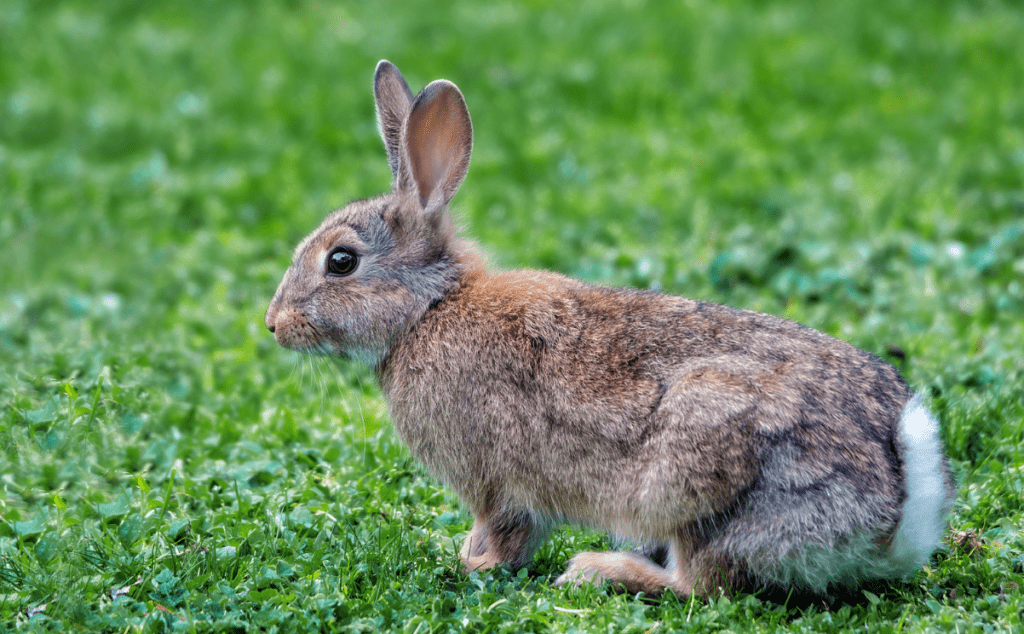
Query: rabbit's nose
{"points": [[269, 321]]}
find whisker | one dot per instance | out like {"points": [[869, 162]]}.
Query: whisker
{"points": [[358, 398], [359, 408], [325, 387], [308, 364]]}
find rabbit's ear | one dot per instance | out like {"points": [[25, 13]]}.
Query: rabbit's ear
{"points": [[438, 141], [394, 99]]}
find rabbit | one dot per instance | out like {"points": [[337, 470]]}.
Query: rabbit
{"points": [[754, 451]]}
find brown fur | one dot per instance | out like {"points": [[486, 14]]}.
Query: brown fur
{"points": [[736, 439]]}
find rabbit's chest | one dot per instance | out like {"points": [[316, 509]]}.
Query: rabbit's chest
{"points": [[549, 436]]}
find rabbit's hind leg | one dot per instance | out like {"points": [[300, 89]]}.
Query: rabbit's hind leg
{"points": [[634, 572], [506, 536], [624, 570], [701, 571]]}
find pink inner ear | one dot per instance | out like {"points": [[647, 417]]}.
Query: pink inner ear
{"points": [[435, 143], [427, 164]]}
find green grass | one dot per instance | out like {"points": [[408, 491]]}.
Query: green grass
{"points": [[165, 466]]}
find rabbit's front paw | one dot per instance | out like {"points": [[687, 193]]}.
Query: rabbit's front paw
{"points": [[484, 561], [477, 553]]}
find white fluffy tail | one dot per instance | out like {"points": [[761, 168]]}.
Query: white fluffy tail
{"points": [[929, 499]]}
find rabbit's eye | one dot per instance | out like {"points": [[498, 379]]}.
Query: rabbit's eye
{"points": [[342, 262]]}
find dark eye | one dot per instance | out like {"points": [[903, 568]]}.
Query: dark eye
{"points": [[342, 262]]}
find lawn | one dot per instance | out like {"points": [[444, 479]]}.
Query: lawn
{"points": [[165, 466]]}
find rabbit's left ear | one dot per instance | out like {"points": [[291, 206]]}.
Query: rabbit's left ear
{"points": [[394, 100], [437, 143]]}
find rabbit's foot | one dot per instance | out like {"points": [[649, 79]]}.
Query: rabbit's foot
{"points": [[631, 571], [476, 553], [504, 537]]}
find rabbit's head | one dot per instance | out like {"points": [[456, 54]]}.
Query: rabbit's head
{"points": [[372, 269]]}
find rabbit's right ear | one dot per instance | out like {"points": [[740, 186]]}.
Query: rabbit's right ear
{"points": [[394, 101], [437, 142]]}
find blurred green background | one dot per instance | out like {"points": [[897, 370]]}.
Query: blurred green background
{"points": [[858, 167]]}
